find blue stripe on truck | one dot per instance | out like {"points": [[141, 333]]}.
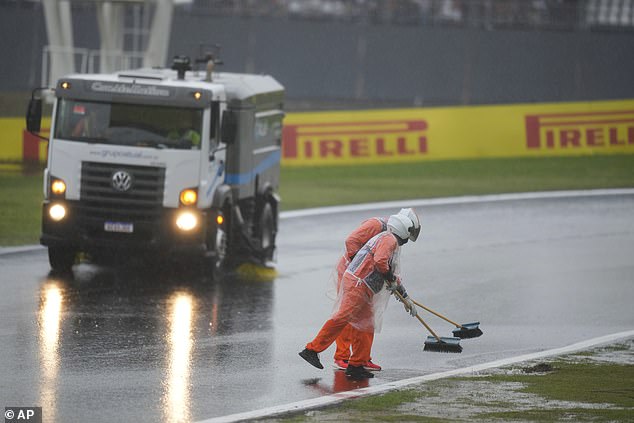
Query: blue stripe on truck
{"points": [[244, 178]]}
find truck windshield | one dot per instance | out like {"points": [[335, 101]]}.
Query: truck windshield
{"points": [[129, 124]]}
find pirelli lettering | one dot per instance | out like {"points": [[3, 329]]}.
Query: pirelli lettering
{"points": [[604, 129], [349, 142]]}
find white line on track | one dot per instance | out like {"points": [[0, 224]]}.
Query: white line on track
{"points": [[380, 389], [455, 200], [20, 249], [414, 203]]}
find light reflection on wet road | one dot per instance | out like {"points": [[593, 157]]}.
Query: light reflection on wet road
{"points": [[158, 345]]}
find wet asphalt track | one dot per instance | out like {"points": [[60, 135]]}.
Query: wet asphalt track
{"points": [[122, 345]]}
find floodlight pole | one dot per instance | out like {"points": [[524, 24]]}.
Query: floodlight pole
{"points": [[158, 44], [59, 28], [110, 19]]}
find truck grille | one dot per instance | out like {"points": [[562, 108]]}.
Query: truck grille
{"points": [[142, 203]]}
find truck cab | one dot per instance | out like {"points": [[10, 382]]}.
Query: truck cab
{"points": [[166, 162]]}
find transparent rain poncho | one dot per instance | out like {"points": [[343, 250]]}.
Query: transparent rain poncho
{"points": [[362, 295], [354, 242]]}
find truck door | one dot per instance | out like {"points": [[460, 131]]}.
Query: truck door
{"points": [[217, 154]]}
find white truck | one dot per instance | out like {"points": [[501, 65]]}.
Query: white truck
{"points": [[166, 162]]}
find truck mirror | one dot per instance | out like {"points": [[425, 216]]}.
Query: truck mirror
{"points": [[34, 115], [229, 127]]}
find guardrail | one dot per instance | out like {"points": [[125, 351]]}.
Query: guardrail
{"points": [[83, 60], [537, 14]]}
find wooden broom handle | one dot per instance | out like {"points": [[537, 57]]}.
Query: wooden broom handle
{"points": [[420, 319], [435, 313]]}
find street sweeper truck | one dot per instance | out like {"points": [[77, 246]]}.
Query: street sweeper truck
{"points": [[162, 162]]}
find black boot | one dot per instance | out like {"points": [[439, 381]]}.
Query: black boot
{"points": [[312, 357], [357, 372]]}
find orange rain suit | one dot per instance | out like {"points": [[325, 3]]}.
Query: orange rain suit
{"points": [[364, 277], [353, 244]]}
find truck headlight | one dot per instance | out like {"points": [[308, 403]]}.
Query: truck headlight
{"points": [[186, 221], [57, 212]]}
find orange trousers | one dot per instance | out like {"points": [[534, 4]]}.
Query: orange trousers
{"points": [[355, 308], [345, 340]]}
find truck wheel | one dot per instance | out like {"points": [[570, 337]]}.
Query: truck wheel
{"points": [[267, 231], [219, 244], [61, 259], [221, 247]]}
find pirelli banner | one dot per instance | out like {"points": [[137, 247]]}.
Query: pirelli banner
{"points": [[409, 135]]}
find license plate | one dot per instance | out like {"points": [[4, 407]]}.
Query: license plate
{"points": [[124, 227]]}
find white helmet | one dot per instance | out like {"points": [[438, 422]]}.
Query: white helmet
{"points": [[411, 214], [400, 226]]}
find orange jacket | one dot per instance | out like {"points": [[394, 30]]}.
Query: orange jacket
{"points": [[357, 239], [373, 262], [363, 233]]}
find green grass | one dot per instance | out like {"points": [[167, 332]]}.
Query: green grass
{"points": [[20, 206], [325, 186], [589, 383], [573, 391], [384, 402], [580, 382], [381, 408], [20, 193], [569, 415]]}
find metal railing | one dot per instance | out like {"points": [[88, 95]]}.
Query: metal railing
{"points": [[489, 14], [82, 60]]}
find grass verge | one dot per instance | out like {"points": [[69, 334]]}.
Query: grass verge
{"points": [[327, 186], [20, 206], [586, 382], [595, 385], [581, 392]]}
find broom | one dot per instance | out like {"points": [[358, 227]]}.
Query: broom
{"points": [[464, 331], [436, 343]]}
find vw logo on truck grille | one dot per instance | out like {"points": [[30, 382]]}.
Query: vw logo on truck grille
{"points": [[121, 181]]}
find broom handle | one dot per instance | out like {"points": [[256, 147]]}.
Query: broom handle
{"points": [[435, 313], [420, 319]]}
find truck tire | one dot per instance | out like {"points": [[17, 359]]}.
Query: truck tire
{"points": [[219, 243], [267, 231], [61, 259], [220, 248]]}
